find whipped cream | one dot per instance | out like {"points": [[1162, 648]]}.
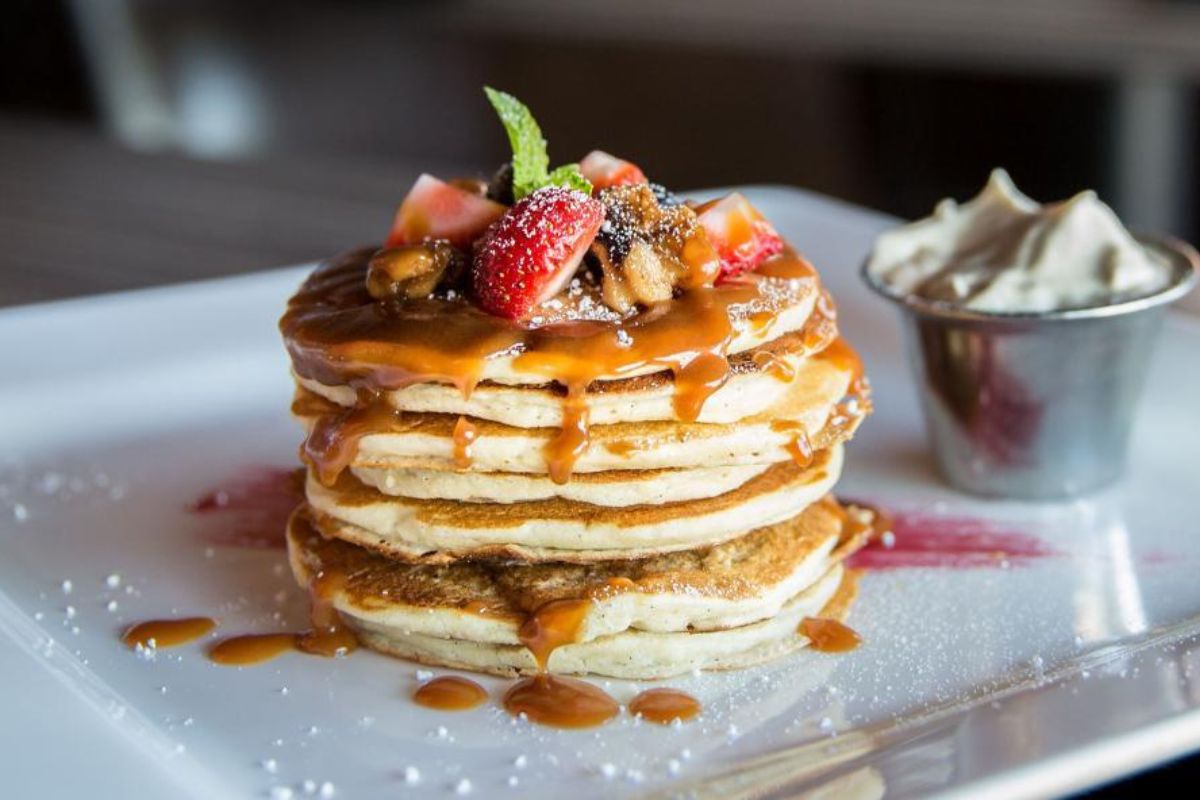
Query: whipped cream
{"points": [[1003, 252]]}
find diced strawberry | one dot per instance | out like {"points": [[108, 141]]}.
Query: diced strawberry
{"points": [[604, 170], [434, 209], [532, 251], [742, 236]]}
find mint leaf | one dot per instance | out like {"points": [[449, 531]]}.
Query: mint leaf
{"points": [[530, 163], [529, 160], [568, 175]]}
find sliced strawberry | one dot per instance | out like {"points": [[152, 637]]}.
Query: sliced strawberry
{"points": [[434, 209], [604, 170], [742, 236], [532, 252]]}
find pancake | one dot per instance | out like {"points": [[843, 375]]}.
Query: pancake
{"points": [[337, 334], [557, 529], [823, 403], [616, 488], [758, 379], [712, 608]]}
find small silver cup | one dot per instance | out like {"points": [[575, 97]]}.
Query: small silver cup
{"points": [[1035, 405]]}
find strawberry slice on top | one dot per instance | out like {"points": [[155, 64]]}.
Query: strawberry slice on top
{"points": [[533, 251], [603, 170], [742, 236], [434, 209]]}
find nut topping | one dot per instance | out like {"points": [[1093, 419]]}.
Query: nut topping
{"points": [[412, 271]]}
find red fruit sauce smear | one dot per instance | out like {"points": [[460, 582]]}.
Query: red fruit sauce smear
{"points": [[252, 507], [923, 539]]}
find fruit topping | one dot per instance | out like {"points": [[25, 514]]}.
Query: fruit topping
{"points": [[604, 170], [742, 236], [413, 271], [530, 163], [667, 245], [435, 209], [532, 252]]}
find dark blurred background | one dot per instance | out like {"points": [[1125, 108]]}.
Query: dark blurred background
{"points": [[309, 119]]}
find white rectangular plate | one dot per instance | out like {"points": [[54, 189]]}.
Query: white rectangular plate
{"points": [[1022, 676]]}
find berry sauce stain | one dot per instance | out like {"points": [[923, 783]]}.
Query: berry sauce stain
{"points": [[252, 508], [921, 539]]}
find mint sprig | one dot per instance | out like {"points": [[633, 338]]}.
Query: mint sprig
{"points": [[530, 162]]}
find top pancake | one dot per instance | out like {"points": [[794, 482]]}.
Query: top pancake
{"points": [[338, 335]]}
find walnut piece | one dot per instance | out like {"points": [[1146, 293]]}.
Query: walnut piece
{"points": [[411, 271]]}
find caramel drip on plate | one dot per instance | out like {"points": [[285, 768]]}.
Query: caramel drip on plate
{"points": [[551, 699], [329, 636], [251, 648], [829, 635], [663, 706], [560, 702], [464, 437], [337, 334], [168, 632], [450, 693], [556, 623]]}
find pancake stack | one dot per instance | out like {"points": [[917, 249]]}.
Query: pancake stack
{"points": [[565, 421], [697, 543]]}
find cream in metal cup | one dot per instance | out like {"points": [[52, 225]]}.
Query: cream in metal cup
{"points": [[1035, 405]]}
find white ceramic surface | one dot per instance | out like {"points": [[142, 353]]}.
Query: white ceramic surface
{"points": [[1025, 678]]}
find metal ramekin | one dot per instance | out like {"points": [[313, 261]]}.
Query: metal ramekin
{"points": [[1035, 405]]}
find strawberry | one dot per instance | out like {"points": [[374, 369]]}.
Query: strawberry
{"points": [[604, 170], [531, 253], [742, 237], [434, 209]]}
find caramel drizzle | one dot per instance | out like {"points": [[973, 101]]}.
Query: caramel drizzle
{"points": [[327, 637], [829, 635], [552, 699], [332, 443], [168, 632], [464, 437], [337, 334]]}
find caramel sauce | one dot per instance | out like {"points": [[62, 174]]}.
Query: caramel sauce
{"points": [[168, 632], [450, 693], [621, 447], [572, 440], [800, 449], [775, 365], [829, 635], [696, 381], [844, 358], [464, 437], [328, 637], [336, 333], [549, 699], [664, 706], [554, 624], [253, 648], [332, 443], [560, 702]]}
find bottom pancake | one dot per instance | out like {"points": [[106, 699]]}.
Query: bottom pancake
{"points": [[634, 654], [716, 608]]}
